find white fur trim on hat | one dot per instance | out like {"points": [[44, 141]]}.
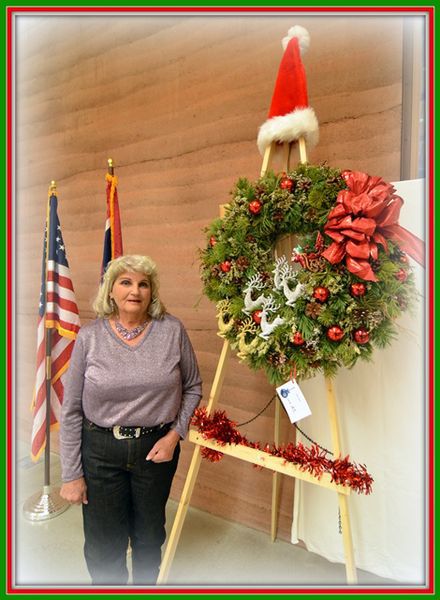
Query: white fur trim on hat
{"points": [[302, 35], [288, 128]]}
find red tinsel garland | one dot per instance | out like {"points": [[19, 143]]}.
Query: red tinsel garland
{"points": [[313, 459]]}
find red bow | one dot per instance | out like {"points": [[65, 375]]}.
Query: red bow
{"points": [[365, 215]]}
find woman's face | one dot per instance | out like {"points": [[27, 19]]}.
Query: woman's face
{"points": [[132, 294]]}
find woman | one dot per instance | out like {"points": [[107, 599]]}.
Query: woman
{"points": [[133, 384]]}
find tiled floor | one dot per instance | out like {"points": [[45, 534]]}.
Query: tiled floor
{"points": [[211, 551]]}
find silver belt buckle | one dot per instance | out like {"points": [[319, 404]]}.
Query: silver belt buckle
{"points": [[117, 433], [119, 436]]}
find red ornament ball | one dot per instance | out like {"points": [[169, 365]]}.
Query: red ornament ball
{"points": [[255, 207], [361, 336], [321, 293], [358, 289], [212, 241], [401, 275], [225, 266], [286, 183], [256, 315], [335, 333], [298, 339]]}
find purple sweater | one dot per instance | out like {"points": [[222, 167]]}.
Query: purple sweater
{"points": [[112, 383]]}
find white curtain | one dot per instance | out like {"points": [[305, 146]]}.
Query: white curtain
{"points": [[382, 412]]}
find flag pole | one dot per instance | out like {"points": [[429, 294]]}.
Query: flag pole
{"points": [[112, 233], [48, 332], [49, 504]]}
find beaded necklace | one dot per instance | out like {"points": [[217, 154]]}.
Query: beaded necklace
{"points": [[130, 334]]}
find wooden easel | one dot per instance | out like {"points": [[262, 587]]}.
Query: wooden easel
{"points": [[258, 457]]}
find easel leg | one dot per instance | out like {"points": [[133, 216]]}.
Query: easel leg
{"points": [[276, 477], [267, 158], [193, 471], [179, 519], [218, 378], [287, 150], [350, 567], [302, 150]]}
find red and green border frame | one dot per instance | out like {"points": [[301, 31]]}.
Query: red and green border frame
{"points": [[208, 7]]}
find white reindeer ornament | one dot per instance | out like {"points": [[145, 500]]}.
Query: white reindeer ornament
{"points": [[267, 328], [291, 294], [254, 283], [283, 275], [279, 272]]}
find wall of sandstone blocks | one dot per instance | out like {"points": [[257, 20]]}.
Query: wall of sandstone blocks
{"points": [[176, 101]]}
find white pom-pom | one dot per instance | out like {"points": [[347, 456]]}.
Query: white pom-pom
{"points": [[303, 38]]}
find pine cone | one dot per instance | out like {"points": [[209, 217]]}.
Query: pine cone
{"points": [[333, 180], [360, 314], [313, 309], [276, 359], [278, 216], [242, 262], [310, 214], [375, 265], [304, 184], [250, 239], [309, 352], [315, 364]]}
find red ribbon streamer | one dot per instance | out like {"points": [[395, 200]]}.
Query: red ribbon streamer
{"points": [[366, 215]]}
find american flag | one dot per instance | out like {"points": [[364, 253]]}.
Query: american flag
{"points": [[57, 310], [112, 235]]}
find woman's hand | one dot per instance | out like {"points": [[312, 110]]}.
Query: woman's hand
{"points": [[75, 491], [163, 449]]}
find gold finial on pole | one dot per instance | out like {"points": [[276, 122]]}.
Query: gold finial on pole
{"points": [[111, 167], [53, 187]]}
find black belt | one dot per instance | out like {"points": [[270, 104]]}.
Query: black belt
{"points": [[120, 432]]}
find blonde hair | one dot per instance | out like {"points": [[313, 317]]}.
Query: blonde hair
{"points": [[129, 263]]}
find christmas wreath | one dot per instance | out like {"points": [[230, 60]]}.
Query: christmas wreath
{"points": [[336, 297]]}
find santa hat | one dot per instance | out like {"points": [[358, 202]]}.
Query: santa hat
{"points": [[290, 115]]}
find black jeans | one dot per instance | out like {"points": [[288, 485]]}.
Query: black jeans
{"points": [[126, 502]]}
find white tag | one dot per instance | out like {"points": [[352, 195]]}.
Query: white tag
{"points": [[293, 401]]}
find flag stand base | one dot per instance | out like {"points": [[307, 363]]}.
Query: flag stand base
{"points": [[46, 505]]}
